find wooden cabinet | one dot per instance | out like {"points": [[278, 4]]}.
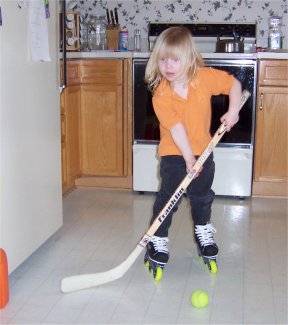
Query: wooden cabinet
{"points": [[99, 98], [102, 118], [270, 162]]}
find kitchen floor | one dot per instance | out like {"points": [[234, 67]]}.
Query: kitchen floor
{"points": [[101, 227]]}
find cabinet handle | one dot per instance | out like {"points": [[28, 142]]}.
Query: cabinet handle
{"points": [[261, 102]]}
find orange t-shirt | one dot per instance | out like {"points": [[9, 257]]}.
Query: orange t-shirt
{"points": [[194, 112]]}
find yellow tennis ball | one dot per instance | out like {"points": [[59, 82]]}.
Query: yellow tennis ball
{"points": [[199, 299]]}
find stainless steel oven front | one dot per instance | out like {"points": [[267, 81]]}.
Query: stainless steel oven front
{"points": [[233, 155]]}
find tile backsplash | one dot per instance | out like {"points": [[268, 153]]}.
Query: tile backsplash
{"points": [[138, 13]]}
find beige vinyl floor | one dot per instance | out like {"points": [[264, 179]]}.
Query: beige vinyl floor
{"points": [[101, 227]]}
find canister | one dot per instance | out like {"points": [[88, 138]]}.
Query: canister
{"points": [[123, 40], [97, 33]]}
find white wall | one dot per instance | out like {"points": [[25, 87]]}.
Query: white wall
{"points": [[30, 160]]}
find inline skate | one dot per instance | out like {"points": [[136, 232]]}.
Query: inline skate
{"points": [[157, 255], [206, 246]]}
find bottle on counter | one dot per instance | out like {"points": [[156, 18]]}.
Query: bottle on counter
{"points": [[137, 40], [123, 40], [275, 35]]}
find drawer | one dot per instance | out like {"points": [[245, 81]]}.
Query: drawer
{"points": [[73, 72], [273, 73], [102, 71]]}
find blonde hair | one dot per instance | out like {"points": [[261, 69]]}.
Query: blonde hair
{"points": [[175, 43]]}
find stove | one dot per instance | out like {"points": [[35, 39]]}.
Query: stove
{"points": [[233, 156], [205, 34]]}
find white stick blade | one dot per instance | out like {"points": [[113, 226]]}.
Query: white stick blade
{"points": [[86, 281]]}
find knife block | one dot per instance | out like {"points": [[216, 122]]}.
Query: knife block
{"points": [[112, 34]]}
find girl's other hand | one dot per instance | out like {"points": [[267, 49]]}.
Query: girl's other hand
{"points": [[189, 167], [230, 120]]}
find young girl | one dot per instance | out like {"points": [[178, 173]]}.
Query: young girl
{"points": [[182, 88]]}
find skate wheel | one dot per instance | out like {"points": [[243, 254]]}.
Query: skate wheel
{"points": [[158, 274], [213, 267]]}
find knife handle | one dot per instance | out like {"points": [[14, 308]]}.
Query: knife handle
{"points": [[108, 17], [112, 18], [116, 16]]}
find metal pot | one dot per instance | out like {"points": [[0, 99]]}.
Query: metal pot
{"points": [[230, 45]]}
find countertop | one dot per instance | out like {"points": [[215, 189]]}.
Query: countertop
{"points": [[280, 55]]}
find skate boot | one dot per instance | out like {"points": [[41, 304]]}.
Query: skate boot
{"points": [[157, 256], [207, 248]]}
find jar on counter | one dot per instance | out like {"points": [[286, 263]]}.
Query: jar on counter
{"points": [[84, 35], [275, 35], [97, 39]]}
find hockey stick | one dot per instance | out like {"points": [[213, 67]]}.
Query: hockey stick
{"points": [[85, 281]]}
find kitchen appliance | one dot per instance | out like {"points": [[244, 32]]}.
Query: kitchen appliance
{"points": [[30, 145], [232, 44], [234, 154]]}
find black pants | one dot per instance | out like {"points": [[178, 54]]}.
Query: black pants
{"points": [[199, 192]]}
